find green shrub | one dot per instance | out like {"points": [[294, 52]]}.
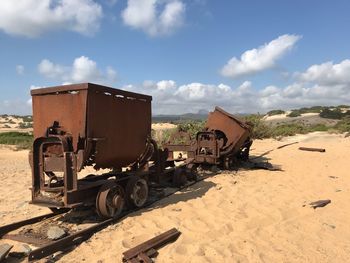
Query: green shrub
{"points": [[314, 109], [288, 129], [343, 125], [275, 112], [294, 113], [25, 125], [260, 129], [343, 106], [318, 127], [162, 136], [27, 118], [336, 114], [191, 127], [20, 139]]}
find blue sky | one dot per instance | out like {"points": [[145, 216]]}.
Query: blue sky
{"points": [[246, 56]]}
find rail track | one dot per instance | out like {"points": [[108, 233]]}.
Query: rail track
{"points": [[47, 248]]}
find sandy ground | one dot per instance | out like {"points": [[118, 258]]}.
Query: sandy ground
{"points": [[306, 118], [10, 124], [248, 216], [163, 126]]}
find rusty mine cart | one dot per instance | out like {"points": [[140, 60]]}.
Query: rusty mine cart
{"points": [[224, 140], [87, 124]]}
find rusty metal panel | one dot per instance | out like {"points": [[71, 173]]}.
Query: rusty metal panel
{"points": [[235, 130], [120, 123], [67, 107]]}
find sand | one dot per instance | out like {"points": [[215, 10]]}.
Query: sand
{"points": [[10, 124], [248, 216]]}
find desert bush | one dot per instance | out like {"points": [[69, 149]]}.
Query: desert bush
{"points": [[25, 125], [275, 112], [27, 118], [11, 121], [162, 136], [318, 127], [343, 125], [191, 127], [336, 114], [294, 113], [288, 129], [260, 130], [20, 139]]}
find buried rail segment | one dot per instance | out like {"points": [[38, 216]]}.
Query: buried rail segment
{"points": [[80, 236]]}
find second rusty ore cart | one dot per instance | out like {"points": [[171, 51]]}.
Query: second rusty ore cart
{"points": [[224, 140]]}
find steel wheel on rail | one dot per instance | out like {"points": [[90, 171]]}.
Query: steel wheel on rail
{"points": [[59, 210], [228, 163], [110, 200], [136, 192], [179, 177], [192, 173]]}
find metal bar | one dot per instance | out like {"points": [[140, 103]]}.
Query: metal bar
{"points": [[312, 149], [4, 250], [68, 241], [8, 228], [26, 239], [285, 145], [144, 258], [153, 243]]}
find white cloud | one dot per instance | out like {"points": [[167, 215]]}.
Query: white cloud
{"points": [[320, 84], [329, 88], [261, 58], [50, 70], [170, 98], [32, 18], [20, 69], [83, 69], [155, 17], [328, 73]]}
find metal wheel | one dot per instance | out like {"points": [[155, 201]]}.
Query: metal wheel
{"points": [[136, 192], [59, 210], [110, 200], [192, 173], [228, 163], [179, 177]]}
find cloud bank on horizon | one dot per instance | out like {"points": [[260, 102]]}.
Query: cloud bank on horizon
{"points": [[326, 83]]}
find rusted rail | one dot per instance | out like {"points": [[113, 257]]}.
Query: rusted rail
{"points": [[312, 149], [80, 236], [8, 228], [68, 241], [143, 251]]}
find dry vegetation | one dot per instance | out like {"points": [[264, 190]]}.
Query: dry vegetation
{"points": [[17, 130]]}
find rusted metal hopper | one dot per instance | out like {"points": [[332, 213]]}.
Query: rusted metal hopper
{"points": [[233, 131], [108, 127]]}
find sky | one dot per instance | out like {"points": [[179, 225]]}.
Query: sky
{"points": [[246, 56]]}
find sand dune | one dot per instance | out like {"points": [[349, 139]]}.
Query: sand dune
{"points": [[244, 216]]}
